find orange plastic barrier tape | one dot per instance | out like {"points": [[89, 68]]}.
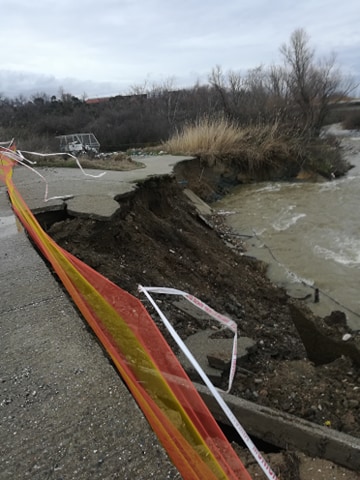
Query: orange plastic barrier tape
{"points": [[170, 402]]}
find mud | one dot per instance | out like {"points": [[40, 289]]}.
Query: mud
{"points": [[158, 239]]}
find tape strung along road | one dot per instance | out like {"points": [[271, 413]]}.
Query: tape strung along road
{"points": [[168, 399]]}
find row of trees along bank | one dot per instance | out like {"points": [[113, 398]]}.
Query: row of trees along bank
{"points": [[297, 95]]}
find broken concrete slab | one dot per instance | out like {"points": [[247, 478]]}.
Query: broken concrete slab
{"points": [[99, 207], [213, 354], [320, 346], [201, 207]]}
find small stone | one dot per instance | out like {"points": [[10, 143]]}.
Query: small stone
{"points": [[346, 337], [219, 360]]}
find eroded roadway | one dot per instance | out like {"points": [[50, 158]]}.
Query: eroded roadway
{"points": [[64, 411]]}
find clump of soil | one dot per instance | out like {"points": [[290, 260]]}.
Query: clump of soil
{"points": [[158, 239]]}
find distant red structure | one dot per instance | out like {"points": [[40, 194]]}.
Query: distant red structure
{"points": [[91, 101]]}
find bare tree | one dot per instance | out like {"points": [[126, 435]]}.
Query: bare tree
{"points": [[242, 96], [218, 81], [311, 83], [278, 101]]}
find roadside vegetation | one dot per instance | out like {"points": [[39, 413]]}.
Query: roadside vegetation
{"points": [[261, 150], [253, 147], [272, 116], [264, 118]]}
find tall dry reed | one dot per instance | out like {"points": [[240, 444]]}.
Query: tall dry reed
{"points": [[254, 146]]}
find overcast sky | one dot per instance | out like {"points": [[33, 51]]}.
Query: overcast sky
{"points": [[98, 48]]}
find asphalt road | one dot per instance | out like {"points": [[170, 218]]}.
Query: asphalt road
{"points": [[64, 410], [85, 195]]}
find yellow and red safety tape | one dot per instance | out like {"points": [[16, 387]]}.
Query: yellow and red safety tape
{"points": [[170, 402]]}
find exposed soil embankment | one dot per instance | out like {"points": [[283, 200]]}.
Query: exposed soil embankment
{"points": [[158, 239]]}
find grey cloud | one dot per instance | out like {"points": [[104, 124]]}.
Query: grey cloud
{"points": [[119, 43], [14, 84]]}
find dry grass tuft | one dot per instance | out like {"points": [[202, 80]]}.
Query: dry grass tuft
{"points": [[206, 137], [253, 147]]}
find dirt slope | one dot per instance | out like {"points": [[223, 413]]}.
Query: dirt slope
{"points": [[157, 239]]}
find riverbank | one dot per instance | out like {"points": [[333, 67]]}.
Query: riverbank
{"points": [[157, 238], [253, 153]]}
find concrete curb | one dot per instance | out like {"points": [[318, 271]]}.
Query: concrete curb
{"points": [[287, 431]]}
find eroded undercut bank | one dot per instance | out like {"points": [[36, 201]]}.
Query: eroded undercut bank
{"points": [[158, 238]]}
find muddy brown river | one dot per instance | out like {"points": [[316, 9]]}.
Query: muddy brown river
{"points": [[308, 233]]}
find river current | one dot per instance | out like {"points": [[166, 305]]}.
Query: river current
{"points": [[308, 233]]}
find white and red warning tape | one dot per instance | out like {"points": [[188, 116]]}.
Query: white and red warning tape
{"points": [[17, 156], [230, 324]]}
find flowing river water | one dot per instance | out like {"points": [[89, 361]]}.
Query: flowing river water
{"points": [[308, 233]]}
